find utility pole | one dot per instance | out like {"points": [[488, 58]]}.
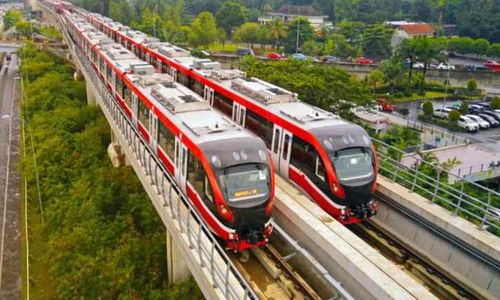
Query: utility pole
{"points": [[298, 31]]}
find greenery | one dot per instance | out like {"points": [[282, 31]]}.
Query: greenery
{"points": [[472, 85], [11, 17], [495, 103], [101, 237], [319, 85], [428, 109]]}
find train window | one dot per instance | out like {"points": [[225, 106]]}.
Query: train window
{"points": [[276, 140], [319, 168], [108, 72], [165, 68], [119, 86], [127, 96], [143, 114], [166, 140], [260, 126], [285, 146], [199, 180], [198, 87], [183, 79], [302, 155], [223, 104]]}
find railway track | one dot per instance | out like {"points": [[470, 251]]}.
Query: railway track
{"points": [[284, 270], [440, 284]]}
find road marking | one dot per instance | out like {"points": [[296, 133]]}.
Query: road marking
{"points": [[6, 188]]}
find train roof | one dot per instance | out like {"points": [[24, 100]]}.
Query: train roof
{"points": [[186, 109]]}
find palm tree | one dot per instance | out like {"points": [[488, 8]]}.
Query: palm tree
{"points": [[277, 31]]}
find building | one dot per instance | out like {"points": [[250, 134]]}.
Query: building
{"points": [[404, 30], [288, 13]]}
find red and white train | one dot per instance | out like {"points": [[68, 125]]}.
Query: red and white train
{"points": [[332, 160], [225, 171]]}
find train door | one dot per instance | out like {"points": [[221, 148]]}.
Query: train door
{"points": [[209, 95], [134, 109], [180, 163], [153, 129], [239, 113], [158, 66], [173, 73], [113, 83], [281, 149]]}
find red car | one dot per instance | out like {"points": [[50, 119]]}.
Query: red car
{"points": [[364, 61], [383, 105], [274, 56], [494, 66]]}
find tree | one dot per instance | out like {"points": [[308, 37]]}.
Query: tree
{"points": [[472, 85], [344, 10], [376, 41], [203, 30], [336, 44], [393, 71], [494, 50], [495, 103], [311, 48], [423, 49], [464, 108], [302, 28], [428, 110], [481, 46], [231, 15], [453, 117], [376, 79], [11, 17], [247, 33], [352, 31], [462, 45], [277, 31]]}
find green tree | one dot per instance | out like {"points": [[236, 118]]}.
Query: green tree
{"points": [[301, 28], [311, 48], [495, 103], [277, 31], [231, 15], [203, 30], [423, 49], [376, 79], [352, 31], [494, 50], [472, 85], [344, 9], [453, 118], [11, 17], [394, 72], [247, 33], [481, 46], [464, 108], [336, 44], [428, 110], [376, 41], [462, 45]]}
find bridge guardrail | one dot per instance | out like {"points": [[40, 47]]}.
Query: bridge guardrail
{"points": [[224, 274], [465, 198]]}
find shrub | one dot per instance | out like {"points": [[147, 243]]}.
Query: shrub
{"points": [[495, 103], [464, 108], [472, 85], [428, 109]]}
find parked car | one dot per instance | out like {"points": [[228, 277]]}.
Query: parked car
{"points": [[383, 105], [482, 123], [364, 61], [274, 56], [443, 66], [418, 65], [299, 56], [442, 112], [476, 107], [468, 124], [329, 59], [245, 51], [492, 114], [489, 119]]}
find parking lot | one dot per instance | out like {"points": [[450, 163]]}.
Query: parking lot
{"points": [[491, 135]]}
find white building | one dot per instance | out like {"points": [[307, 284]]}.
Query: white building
{"points": [[287, 13], [404, 30]]}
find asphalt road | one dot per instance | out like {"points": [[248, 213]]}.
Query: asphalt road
{"points": [[10, 209]]}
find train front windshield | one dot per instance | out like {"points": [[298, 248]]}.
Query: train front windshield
{"points": [[353, 164], [246, 183]]}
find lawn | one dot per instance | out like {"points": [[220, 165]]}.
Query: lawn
{"points": [[428, 95]]}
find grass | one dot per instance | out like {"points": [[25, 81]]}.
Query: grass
{"points": [[427, 95]]}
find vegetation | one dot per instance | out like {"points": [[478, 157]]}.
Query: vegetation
{"points": [[11, 17], [100, 237], [428, 110], [495, 103], [319, 85]]}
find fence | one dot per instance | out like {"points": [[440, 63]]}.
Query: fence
{"points": [[465, 198]]}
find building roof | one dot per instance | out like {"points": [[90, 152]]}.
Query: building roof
{"points": [[417, 28], [297, 10]]}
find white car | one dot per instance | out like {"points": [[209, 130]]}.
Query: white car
{"points": [[468, 124], [442, 112], [482, 123], [418, 65], [443, 66]]}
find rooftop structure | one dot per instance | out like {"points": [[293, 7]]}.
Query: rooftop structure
{"points": [[288, 13]]}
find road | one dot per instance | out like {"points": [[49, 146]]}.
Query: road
{"points": [[10, 222]]}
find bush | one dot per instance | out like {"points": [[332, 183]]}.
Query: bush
{"points": [[464, 108], [428, 109], [495, 103], [453, 116], [472, 85]]}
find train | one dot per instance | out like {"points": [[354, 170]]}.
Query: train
{"points": [[224, 170], [330, 159]]}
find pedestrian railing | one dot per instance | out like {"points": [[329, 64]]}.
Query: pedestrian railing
{"points": [[464, 198], [223, 274]]}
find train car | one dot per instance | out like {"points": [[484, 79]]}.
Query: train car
{"points": [[225, 171], [332, 160]]}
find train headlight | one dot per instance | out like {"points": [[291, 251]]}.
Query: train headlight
{"points": [[226, 213]]}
